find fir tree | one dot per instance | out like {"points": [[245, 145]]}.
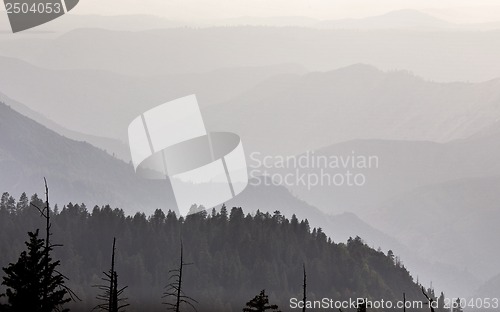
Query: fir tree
{"points": [[33, 281]]}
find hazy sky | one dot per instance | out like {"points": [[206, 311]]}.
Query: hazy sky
{"points": [[452, 10]]}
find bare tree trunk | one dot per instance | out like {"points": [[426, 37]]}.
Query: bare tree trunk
{"points": [[180, 280], [174, 289], [46, 214], [304, 286], [112, 283], [404, 302], [430, 300], [111, 296]]}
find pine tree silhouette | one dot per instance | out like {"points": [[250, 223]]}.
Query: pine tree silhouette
{"points": [[260, 304], [33, 282]]}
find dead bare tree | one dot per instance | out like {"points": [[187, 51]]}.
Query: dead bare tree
{"points": [[304, 287], [111, 296], [430, 300], [45, 213], [404, 302], [174, 289]]}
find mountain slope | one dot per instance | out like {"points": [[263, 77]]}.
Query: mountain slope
{"points": [[76, 171], [112, 146], [439, 220], [435, 197], [448, 276]]}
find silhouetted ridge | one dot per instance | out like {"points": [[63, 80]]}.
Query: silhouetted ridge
{"points": [[234, 256]]}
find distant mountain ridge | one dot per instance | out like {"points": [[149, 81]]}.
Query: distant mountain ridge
{"points": [[355, 102], [403, 19], [400, 19], [196, 50], [88, 101]]}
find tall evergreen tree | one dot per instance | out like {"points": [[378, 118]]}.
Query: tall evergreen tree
{"points": [[8, 203], [34, 284], [3, 201], [23, 202], [33, 281]]}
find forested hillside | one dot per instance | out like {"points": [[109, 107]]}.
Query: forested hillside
{"points": [[79, 171], [234, 256]]}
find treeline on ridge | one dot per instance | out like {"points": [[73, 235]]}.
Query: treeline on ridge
{"points": [[234, 256]]}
